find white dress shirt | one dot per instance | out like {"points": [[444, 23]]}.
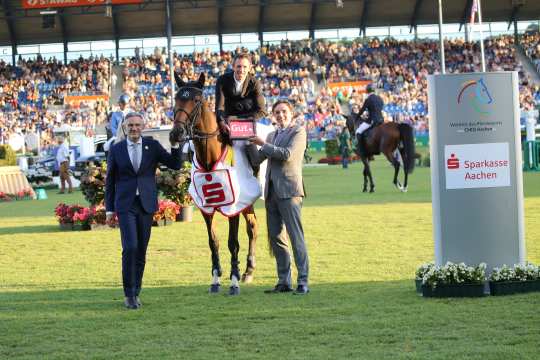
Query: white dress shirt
{"points": [[138, 144], [62, 154], [238, 85]]}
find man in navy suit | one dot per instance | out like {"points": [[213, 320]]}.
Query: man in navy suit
{"points": [[131, 192]]}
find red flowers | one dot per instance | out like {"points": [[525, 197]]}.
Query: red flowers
{"points": [[77, 214], [167, 209], [27, 193]]}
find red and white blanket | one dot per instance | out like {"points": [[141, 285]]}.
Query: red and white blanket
{"points": [[227, 188]]}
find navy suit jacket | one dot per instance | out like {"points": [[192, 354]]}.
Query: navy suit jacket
{"points": [[374, 104], [122, 181]]}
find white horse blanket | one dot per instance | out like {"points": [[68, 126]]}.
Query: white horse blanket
{"points": [[228, 188]]}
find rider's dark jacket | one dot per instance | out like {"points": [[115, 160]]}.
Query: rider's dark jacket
{"points": [[374, 104], [249, 102]]}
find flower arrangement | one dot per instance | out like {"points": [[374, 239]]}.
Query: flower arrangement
{"points": [[66, 213], [80, 215], [423, 269], [174, 184], [27, 193], [167, 210], [93, 183], [451, 274], [519, 272]]}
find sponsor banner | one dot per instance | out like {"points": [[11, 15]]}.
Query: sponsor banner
{"points": [[477, 165], [361, 85], [75, 100], [44, 4]]}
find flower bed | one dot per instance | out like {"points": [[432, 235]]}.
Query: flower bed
{"points": [[516, 280], [26, 194], [78, 217], [452, 280]]}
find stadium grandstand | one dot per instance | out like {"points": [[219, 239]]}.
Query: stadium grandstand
{"points": [[69, 64]]}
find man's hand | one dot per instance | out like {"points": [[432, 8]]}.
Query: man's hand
{"points": [[224, 127], [109, 219], [257, 140]]}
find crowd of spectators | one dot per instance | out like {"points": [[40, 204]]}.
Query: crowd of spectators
{"points": [[531, 45], [32, 94]]}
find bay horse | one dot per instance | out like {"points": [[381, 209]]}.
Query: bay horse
{"points": [[193, 120], [386, 138]]}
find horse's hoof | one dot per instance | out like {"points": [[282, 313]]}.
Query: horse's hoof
{"points": [[214, 288], [364, 190], [404, 189], [372, 190], [247, 278], [234, 290]]}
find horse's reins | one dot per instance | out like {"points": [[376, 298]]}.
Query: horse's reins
{"points": [[194, 118]]}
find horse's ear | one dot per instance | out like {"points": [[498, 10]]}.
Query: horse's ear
{"points": [[201, 81], [179, 82]]}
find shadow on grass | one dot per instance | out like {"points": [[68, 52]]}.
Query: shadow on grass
{"points": [[32, 229]]}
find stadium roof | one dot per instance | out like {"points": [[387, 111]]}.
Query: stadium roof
{"points": [[190, 17]]}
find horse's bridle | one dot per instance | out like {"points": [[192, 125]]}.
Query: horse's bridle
{"points": [[189, 127]]}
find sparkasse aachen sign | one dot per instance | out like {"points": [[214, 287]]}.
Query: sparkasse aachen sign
{"points": [[476, 177]]}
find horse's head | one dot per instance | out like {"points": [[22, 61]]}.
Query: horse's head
{"points": [[188, 107], [482, 93]]}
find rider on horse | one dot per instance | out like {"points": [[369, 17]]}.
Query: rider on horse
{"points": [[374, 104], [239, 93]]}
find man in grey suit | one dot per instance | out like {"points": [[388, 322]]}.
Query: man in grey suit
{"points": [[284, 192]]}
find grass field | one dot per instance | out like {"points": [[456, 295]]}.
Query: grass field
{"points": [[61, 298]]}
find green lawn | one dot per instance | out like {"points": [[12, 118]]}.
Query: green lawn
{"points": [[60, 292]]}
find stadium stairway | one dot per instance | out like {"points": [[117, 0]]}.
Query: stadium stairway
{"points": [[528, 65]]}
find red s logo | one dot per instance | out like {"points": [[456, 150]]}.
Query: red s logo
{"points": [[452, 162], [213, 193]]}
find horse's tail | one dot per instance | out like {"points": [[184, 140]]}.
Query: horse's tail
{"points": [[406, 135]]}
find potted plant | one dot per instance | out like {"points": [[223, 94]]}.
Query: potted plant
{"points": [[82, 217], [174, 185], [93, 183], [166, 213], [454, 280], [419, 275], [64, 216], [520, 279], [99, 218], [5, 196]]}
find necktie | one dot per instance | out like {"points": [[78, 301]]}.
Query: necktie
{"points": [[136, 157]]}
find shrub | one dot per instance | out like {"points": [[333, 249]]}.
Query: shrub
{"points": [[7, 156], [174, 184], [93, 183], [331, 148]]}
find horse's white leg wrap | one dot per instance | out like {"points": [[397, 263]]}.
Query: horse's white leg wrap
{"points": [[215, 277], [234, 281]]}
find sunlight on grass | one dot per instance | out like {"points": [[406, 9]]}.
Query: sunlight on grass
{"points": [[60, 292]]}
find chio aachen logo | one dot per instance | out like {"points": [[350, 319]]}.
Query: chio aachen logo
{"points": [[477, 95]]}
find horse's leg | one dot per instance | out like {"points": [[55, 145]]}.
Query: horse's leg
{"points": [[367, 176], [252, 229], [365, 173], [213, 242], [406, 176], [234, 248], [395, 163], [370, 177]]}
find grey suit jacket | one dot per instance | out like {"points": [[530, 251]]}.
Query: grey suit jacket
{"points": [[285, 154]]}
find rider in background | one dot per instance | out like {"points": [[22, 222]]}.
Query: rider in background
{"points": [[117, 117], [374, 105]]}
